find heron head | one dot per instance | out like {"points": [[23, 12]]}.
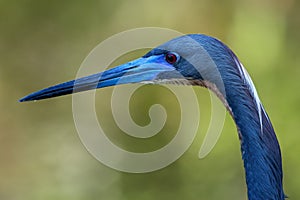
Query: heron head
{"points": [[183, 60]]}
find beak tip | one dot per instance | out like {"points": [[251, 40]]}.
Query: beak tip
{"points": [[30, 97], [23, 99]]}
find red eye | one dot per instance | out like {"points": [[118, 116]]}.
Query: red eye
{"points": [[171, 58]]}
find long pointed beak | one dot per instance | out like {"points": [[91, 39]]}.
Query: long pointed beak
{"points": [[139, 70]]}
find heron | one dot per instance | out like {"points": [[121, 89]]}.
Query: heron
{"points": [[202, 60]]}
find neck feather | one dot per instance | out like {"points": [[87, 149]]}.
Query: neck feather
{"points": [[260, 152], [259, 145]]}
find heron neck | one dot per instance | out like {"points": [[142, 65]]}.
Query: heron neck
{"points": [[259, 146]]}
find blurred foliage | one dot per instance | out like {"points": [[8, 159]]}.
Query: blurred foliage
{"points": [[44, 42]]}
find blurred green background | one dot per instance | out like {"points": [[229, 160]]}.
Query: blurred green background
{"points": [[44, 42]]}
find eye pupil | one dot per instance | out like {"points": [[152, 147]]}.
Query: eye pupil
{"points": [[171, 58]]}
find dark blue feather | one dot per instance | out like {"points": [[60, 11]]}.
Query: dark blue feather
{"points": [[205, 61], [259, 145]]}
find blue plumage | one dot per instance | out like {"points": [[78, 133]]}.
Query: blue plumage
{"points": [[202, 60], [259, 145]]}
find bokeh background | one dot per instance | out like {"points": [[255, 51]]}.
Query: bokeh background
{"points": [[44, 42]]}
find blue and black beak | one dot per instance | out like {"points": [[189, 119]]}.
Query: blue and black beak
{"points": [[144, 69]]}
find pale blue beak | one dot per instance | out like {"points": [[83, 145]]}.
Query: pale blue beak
{"points": [[136, 71]]}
